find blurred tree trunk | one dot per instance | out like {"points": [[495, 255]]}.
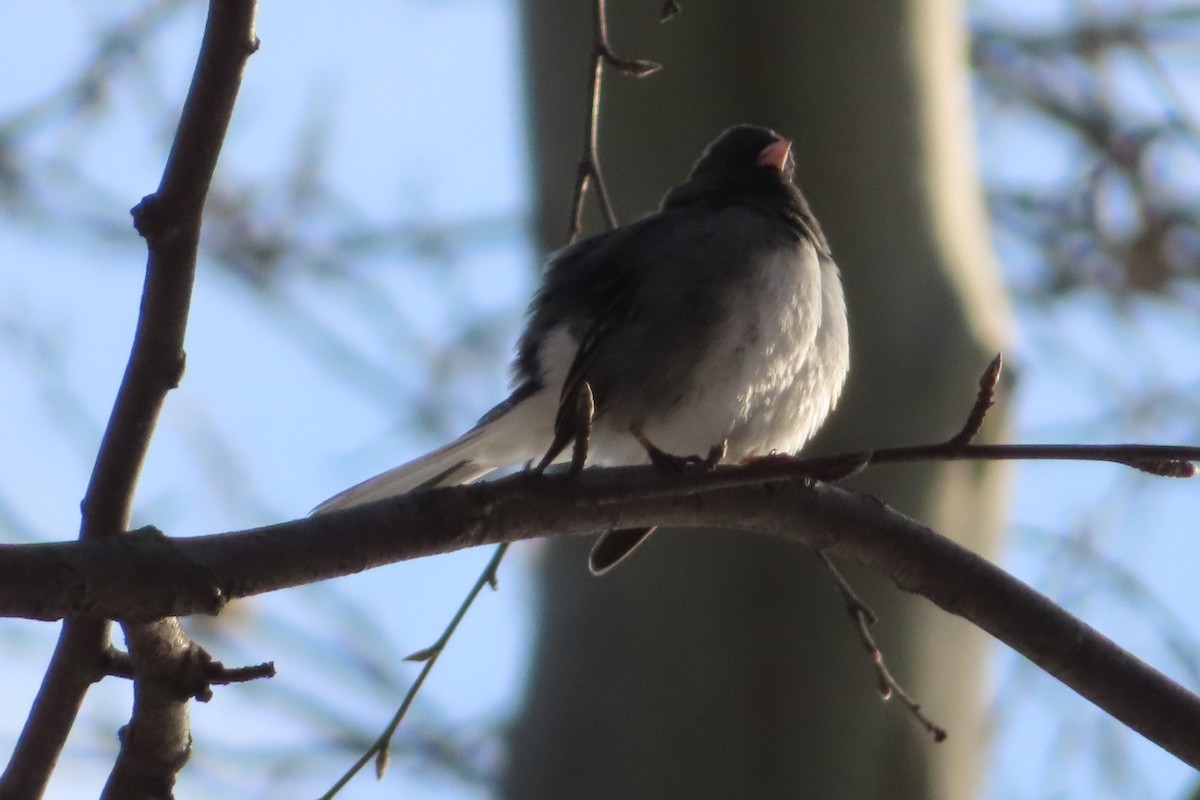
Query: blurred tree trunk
{"points": [[717, 665]]}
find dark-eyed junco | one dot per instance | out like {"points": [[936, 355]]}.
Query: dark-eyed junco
{"points": [[718, 318]]}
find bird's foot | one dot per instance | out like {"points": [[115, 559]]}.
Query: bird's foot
{"points": [[669, 463]]}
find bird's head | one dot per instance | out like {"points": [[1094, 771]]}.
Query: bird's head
{"points": [[746, 151]]}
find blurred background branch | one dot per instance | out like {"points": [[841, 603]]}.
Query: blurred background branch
{"points": [[364, 261]]}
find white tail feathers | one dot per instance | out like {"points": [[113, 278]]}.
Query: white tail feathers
{"points": [[447, 465], [510, 435]]}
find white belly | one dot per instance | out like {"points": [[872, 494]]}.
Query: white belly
{"points": [[768, 378]]}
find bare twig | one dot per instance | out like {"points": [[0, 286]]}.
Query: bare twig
{"points": [[220, 675], [983, 401], [863, 618], [1167, 461], [854, 604], [379, 750], [197, 685], [1162, 460], [589, 164]]}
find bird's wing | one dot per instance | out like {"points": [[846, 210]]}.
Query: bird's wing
{"points": [[590, 289]]}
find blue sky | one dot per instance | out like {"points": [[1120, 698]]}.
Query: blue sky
{"points": [[258, 432]]}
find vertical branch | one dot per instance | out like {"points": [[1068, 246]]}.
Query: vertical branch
{"points": [[157, 741], [169, 220], [589, 165], [77, 663]]}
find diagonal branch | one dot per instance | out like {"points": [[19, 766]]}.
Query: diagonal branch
{"points": [[428, 656], [157, 741], [863, 618], [170, 222]]}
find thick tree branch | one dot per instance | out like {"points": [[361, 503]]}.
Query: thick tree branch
{"points": [[170, 222], [157, 741], [146, 574], [77, 663]]}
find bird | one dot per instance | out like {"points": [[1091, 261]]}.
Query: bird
{"points": [[716, 322]]}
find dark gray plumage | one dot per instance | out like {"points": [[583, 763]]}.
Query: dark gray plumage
{"points": [[720, 317]]}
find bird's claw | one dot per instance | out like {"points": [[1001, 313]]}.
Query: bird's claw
{"points": [[671, 464]]}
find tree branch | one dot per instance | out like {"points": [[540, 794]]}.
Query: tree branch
{"points": [[588, 169], [863, 618], [169, 220], [380, 749], [146, 574], [157, 741]]}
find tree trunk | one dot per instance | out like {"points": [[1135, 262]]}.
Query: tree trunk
{"points": [[722, 665]]}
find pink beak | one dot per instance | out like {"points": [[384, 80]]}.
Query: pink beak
{"points": [[775, 154]]}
